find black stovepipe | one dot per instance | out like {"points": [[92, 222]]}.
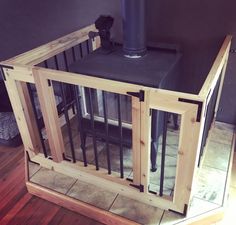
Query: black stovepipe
{"points": [[134, 27]]}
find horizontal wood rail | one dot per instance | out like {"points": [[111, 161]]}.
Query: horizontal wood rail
{"points": [[50, 49], [219, 63]]}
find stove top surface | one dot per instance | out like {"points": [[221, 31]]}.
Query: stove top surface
{"points": [[150, 70]]}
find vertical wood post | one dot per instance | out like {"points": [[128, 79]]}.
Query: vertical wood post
{"points": [[14, 89], [136, 148], [145, 141], [50, 115]]}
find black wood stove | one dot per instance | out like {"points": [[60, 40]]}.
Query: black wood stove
{"points": [[133, 62]]}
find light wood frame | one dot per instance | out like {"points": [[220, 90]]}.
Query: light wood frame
{"points": [[22, 68]]}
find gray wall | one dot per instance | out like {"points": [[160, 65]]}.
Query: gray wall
{"points": [[198, 26]]}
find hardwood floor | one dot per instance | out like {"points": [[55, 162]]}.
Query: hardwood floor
{"points": [[18, 207]]}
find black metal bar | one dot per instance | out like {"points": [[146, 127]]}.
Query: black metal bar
{"points": [[87, 45], [37, 120], [65, 60], [2, 73], [163, 153], [93, 128], [66, 113], [65, 106], [104, 100], [81, 50], [80, 123], [120, 136], [199, 103], [56, 62], [46, 64], [7, 67], [73, 54], [69, 86]]}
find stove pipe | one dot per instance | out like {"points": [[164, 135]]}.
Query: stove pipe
{"points": [[134, 28]]}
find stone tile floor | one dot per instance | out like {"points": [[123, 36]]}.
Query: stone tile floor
{"points": [[208, 194], [170, 160]]}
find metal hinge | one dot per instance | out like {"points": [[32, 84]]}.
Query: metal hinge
{"points": [[65, 158], [139, 95], [49, 83], [140, 187], [199, 103], [2, 72], [184, 212]]}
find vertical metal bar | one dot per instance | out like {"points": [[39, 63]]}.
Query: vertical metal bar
{"points": [[62, 87], [46, 64], [87, 45], [56, 62], [80, 123], [81, 50], [66, 114], [163, 153], [65, 60], [37, 121], [104, 100], [73, 54], [93, 128], [120, 136], [68, 85]]}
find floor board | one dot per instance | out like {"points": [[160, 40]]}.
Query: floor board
{"points": [[18, 207]]}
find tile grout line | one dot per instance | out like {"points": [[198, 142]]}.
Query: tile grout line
{"points": [[71, 187], [161, 217], [112, 203]]}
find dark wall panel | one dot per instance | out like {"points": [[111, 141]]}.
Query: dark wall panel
{"points": [[198, 27]]}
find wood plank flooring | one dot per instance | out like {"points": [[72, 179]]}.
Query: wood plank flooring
{"points": [[18, 207]]}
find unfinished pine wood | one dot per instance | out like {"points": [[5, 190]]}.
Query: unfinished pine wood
{"points": [[23, 126], [50, 115], [136, 148], [145, 141], [154, 98], [188, 150], [167, 95], [188, 155], [30, 116], [88, 81], [50, 49], [96, 43], [77, 206], [221, 83], [216, 68], [20, 72]]}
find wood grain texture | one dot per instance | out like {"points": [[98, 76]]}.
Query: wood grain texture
{"points": [[50, 49], [19, 207]]}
